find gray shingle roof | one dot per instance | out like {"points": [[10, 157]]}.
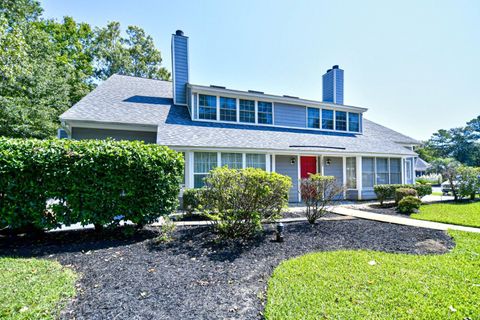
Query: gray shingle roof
{"points": [[421, 165], [131, 100]]}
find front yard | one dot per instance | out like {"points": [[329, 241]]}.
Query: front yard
{"points": [[377, 285], [461, 213], [34, 288]]}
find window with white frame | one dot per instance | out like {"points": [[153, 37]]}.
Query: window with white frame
{"points": [[313, 118], [203, 162], [247, 111], [255, 160], [368, 172], [232, 160], [327, 119], [353, 122], [265, 112], [351, 173], [395, 171], [228, 109], [341, 120], [207, 107], [382, 170]]}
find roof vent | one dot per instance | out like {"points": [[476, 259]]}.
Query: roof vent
{"points": [[179, 33], [293, 97], [253, 91], [217, 87]]}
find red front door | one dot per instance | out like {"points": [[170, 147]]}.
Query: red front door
{"points": [[308, 165]]}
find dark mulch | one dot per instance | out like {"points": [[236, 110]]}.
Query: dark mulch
{"points": [[194, 277]]}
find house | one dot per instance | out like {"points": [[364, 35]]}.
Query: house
{"points": [[421, 167], [214, 125]]}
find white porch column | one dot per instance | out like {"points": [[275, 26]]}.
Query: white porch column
{"points": [[189, 169], [273, 163], [298, 177], [322, 169], [344, 175], [267, 163], [359, 176], [403, 169]]}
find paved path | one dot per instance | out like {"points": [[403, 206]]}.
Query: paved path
{"points": [[399, 220]]}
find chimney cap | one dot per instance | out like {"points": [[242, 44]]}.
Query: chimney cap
{"points": [[335, 66], [179, 33]]}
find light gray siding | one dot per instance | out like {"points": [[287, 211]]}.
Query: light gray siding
{"points": [[352, 195], [100, 134], [284, 166], [180, 68], [290, 115]]}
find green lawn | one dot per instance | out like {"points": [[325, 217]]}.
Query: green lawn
{"points": [[345, 285], [462, 213], [33, 288]]}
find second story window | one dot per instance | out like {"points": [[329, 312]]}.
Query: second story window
{"points": [[353, 122], [265, 112], [341, 120], [327, 119], [228, 109], [247, 111], [207, 108], [313, 118]]}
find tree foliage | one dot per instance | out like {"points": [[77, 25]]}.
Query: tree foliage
{"points": [[46, 66], [448, 168]]}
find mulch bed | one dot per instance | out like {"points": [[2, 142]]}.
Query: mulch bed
{"points": [[194, 276]]}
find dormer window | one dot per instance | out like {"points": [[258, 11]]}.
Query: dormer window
{"points": [[341, 120], [228, 109], [353, 122], [313, 118], [265, 112], [247, 111], [207, 108]]}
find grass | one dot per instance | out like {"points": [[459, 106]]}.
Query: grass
{"points": [[33, 288], [437, 193], [461, 213], [345, 285]]}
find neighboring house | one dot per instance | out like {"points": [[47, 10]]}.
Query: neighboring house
{"points": [[213, 126], [421, 167]]}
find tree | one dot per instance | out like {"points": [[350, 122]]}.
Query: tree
{"points": [[468, 181], [448, 168], [134, 55]]}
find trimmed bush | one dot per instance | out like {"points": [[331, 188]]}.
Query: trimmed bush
{"points": [[192, 200], [237, 200], [89, 182], [401, 193], [409, 204], [387, 191]]}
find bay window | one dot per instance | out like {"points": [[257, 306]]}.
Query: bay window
{"points": [[265, 112], [341, 120], [313, 115], [228, 109], [327, 119], [207, 108], [203, 162]]}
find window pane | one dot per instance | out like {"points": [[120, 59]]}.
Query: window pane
{"points": [[351, 173], [228, 109], [207, 108], [368, 172], [313, 118], [327, 119], [247, 111], [265, 112], [382, 171], [198, 180], [256, 161], [353, 122], [232, 160], [395, 171], [340, 120], [203, 162]]}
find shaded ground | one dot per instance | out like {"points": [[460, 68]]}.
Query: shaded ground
{"points": [[194, 277]]}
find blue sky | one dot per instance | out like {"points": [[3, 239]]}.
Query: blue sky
{"points": [[414, 64]]}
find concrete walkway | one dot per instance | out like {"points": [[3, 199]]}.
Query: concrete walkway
{"points": [[399, 220]]}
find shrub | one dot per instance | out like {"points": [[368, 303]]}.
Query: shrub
{"points": [[384, 192], [401, 193], [318, 192], [192, 200], [423, 189], [409, 204], [237, 200], [91, 181], [166, 231], [468, 181]]}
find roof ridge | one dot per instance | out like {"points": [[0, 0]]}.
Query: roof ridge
{"points": [[138, 77]]}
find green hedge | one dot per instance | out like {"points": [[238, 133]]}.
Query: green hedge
{"points": [[45, 183], [387, 191]]}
